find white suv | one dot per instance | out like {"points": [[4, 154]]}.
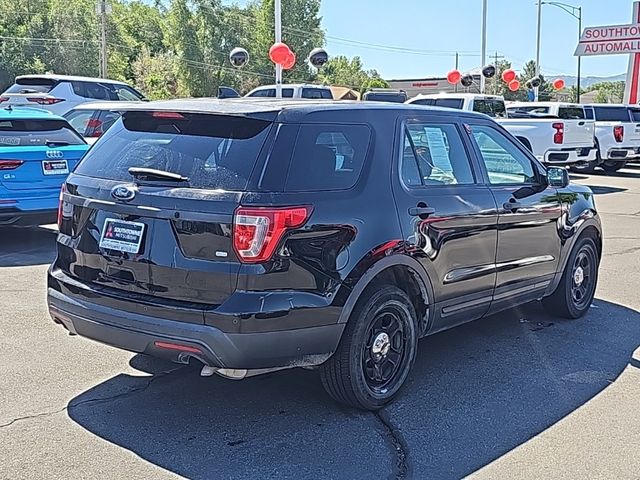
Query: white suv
{"points": [[60, 93], [308, 91]]}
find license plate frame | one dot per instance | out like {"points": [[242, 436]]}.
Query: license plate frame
{"points": [[122, 235], [55, 167]]}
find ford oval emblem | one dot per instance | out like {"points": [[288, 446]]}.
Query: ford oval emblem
{"points": [[123, 192], [54, 154]]}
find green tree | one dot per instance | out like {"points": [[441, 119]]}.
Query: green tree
{"points": [[528, 72], [344, 72], [157, 75], [608, 92]]}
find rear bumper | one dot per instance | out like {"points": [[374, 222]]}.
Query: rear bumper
{"points": [[15, 217], [140, 333], [622, 153], [569, 156]]}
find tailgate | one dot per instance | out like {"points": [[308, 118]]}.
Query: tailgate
{"points": [[33, 100], [579, 133], [632, 130], [34, 168]]}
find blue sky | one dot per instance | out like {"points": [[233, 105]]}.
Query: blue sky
{"points": [[438, 28]]}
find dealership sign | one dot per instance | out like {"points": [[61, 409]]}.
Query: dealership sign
{"points": [[609, 40]]}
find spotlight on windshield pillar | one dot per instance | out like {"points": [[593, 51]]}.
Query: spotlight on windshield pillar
{"points": [[466, 80], [318, 57], [489, 71], [239, 57]]}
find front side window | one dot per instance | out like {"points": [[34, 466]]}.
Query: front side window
{"points": [[506, 164], [433, 154]]}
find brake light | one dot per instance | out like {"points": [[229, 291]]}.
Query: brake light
{"points": [[10, 164], [45, 100], [618, 133], [558, 137], [63, 189], [257, 231], [168, 115], [95, 125]]}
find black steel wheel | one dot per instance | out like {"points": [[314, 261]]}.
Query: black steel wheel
{"points": [[376, 351], [574, 294]]}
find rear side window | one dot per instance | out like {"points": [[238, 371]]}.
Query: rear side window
{"points": [[612, 114], [571, 113], [32, 133], [327, 157], [449, 103], [105, 91], [213, 151], [32, 85], [317, 93], [635, 114], [493, 108], [80, 120]]}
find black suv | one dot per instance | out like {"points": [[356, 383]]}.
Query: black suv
{"points": [[254, 236]]}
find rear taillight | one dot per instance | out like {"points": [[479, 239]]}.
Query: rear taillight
{"points": [[63, 189], [10, 164], [4, 99], [618, 133], [96, 126], [45, 100], [257, 231], [558, 137]]}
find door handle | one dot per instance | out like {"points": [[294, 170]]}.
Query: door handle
{"points": [[512, 205], [421, 211], [580, 124]]}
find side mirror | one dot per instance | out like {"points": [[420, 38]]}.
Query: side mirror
{"points": [[558, 177]]}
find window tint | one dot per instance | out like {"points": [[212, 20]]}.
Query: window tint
{"points": [[107, 119], [318, 93], [214, 151], [327, 157], [391, 97], [423, 101], [22, 133], [32, 85], [635, 114], [127, 94], [456, 103], [80, 120], [492, 107], [612, 114], [532, 109], [505, 162], [105, 91], [433, 154], [571, 113], [588, 113]]}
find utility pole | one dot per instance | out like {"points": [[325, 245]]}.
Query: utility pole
{"points": [[579, 57], [457, 61], [278, 35], [103, 8], [496, 57], [484, 44], [536, 89]]}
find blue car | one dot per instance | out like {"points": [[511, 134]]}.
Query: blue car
{"points": [[37, 152]]}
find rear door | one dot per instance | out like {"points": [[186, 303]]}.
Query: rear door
{"points": [[448, 218], [154, 237], [578, 130], [529, 210], [37, 154]]}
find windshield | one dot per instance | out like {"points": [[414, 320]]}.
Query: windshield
{"points": [[31, 133], [213, 151]]}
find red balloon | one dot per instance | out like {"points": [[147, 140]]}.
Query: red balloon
{"points": [[279, 53], [558, 84], [514, 85], [454, 77], [290, 62], [508, 76]]}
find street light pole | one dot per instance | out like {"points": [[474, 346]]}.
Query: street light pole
{"points": [[483, 55], [575, 12], [278, 34], [536, 89]]}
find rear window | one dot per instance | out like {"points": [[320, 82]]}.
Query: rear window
{"points": [[571, 113], [213, 151], [449, 103], [30, 133], [271, 93], [317, 93], [635, 114], [612, 114], [32, 85], [531, 109], [385, 97], [492, 107], [327, 157]]}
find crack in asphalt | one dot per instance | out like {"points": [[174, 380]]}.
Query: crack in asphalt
{"points": [[400, 448], [99, 400]]}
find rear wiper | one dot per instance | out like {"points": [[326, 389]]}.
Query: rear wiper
{"points": [[153, 174]]}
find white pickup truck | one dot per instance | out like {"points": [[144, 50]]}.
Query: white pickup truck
{"points": [[617, 135], [562, 136]]}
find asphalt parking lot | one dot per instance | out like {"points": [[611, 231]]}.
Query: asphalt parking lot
{"points": [[518, 395]]}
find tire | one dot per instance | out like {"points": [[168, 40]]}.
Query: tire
{"points": [[574, 294], [612, 167], [361, 372]]}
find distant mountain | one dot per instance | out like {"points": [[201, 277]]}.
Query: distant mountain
{"points": [[586, 82]]}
